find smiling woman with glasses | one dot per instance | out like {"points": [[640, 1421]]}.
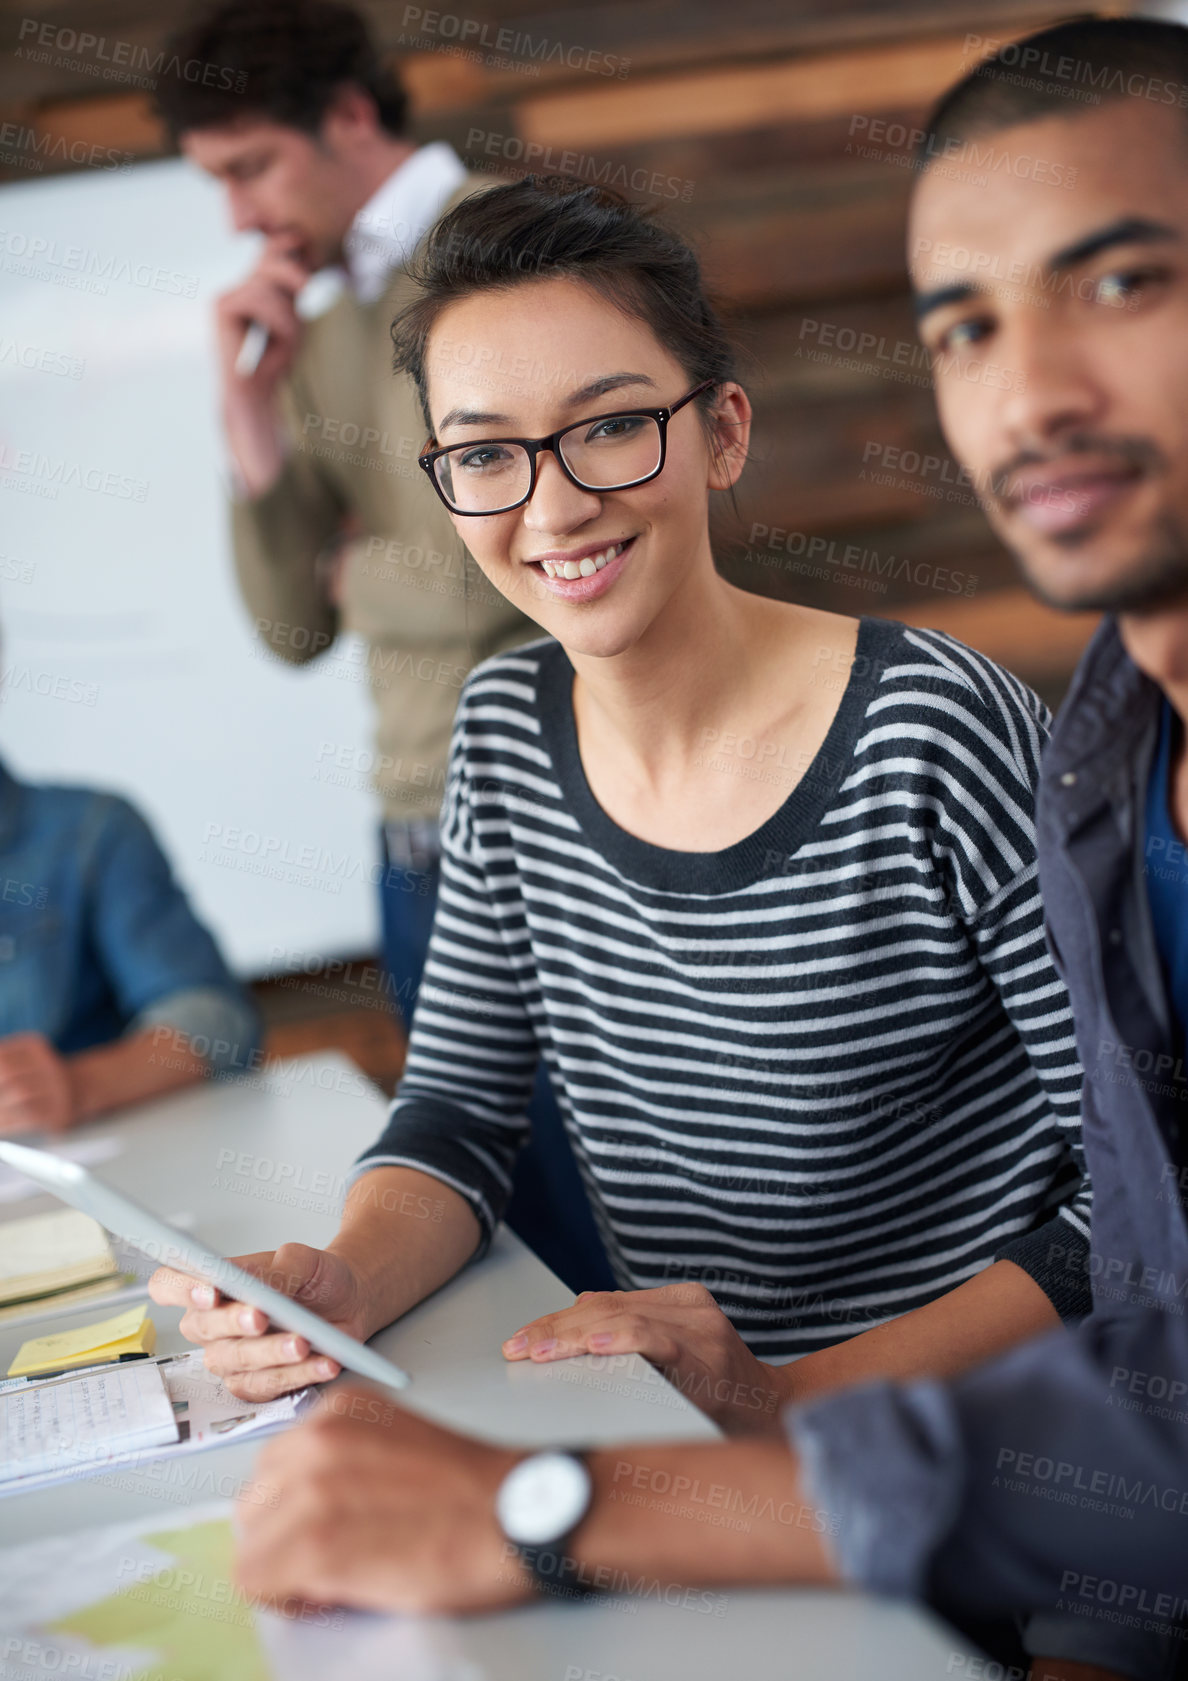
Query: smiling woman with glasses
{"points": [[756, 881]]}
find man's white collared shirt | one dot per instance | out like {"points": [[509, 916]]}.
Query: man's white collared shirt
{"points": [[397, 216]]}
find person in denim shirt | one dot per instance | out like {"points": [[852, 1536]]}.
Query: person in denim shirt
{"points": [[111, 990]]}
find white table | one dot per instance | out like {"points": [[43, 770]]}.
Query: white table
{"points": [[250, 1165]]}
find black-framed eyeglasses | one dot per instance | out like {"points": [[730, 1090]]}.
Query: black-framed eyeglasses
{"points": [[604, 452]]}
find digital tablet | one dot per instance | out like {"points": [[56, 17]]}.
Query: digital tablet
{"points": [[168, 1247]]}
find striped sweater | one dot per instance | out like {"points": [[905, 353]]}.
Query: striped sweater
{"points": [[828, 1071]]}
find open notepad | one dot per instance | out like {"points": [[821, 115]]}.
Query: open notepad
{"points": [[205, 1414], [52, 1427]]}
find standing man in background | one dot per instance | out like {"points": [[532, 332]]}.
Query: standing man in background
{"points": [[332, 527]]}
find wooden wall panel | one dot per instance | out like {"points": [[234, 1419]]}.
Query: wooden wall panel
{"points": [[712, 101]]}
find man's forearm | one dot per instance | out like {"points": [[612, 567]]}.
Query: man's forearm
{"points": [[652, 1507], [130, 1071], [404, 1234], [981, 1318]]}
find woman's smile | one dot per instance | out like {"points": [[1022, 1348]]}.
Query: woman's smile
{"points": [[582, 574]]}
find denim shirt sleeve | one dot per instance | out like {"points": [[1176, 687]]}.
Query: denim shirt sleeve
{"points": [[1024, 1486], [160, 962], [1138, 1653]]}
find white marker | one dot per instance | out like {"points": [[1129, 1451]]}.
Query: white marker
{"points": [[255, 343]]}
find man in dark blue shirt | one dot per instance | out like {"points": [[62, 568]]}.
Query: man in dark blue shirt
{"points": [[111, 990]]}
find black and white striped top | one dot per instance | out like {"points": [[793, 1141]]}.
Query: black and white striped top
{"points": [[829, 1071]]}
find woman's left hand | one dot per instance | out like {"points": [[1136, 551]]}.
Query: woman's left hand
{"points": [[683, 1332]]}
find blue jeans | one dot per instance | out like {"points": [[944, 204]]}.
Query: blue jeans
{"points": [[549, 1208]]}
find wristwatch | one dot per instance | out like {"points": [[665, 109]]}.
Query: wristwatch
{"points": [[539, 1504]]}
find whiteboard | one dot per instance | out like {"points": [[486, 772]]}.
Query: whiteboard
{"points": [[127, 659]]}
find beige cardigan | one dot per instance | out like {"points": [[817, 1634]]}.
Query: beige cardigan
{"points": [[401, 579]]}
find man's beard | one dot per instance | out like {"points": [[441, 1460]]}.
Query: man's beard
{"points": [[1158, 580]]}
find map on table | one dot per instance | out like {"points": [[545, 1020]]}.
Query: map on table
{"points": [[158, 1601], [128, 1602]]}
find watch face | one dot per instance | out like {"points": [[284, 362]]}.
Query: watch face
{"points": [[543, 1498]]}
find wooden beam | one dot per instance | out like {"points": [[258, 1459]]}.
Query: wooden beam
{"points": [[717, 101], [124, 122], [566, 49], [437, 83]]}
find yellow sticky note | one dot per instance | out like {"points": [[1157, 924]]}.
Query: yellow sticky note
{"points": [[127, 1333]]}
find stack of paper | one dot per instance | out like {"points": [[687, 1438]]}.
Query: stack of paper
{"points": [[47, 1253], [48, 1427]]}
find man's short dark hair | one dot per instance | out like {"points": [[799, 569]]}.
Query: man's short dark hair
{"points": [[1072, 66], [287, 60]]}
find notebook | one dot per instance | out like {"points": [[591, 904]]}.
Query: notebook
{"points": [[119, 1287], [44, 1253], [84, 1420]]}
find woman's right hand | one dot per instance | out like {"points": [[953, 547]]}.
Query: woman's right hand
{"points": [[255, 1363]]}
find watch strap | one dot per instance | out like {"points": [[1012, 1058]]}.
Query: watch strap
{"points": [[554, 1572]]}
